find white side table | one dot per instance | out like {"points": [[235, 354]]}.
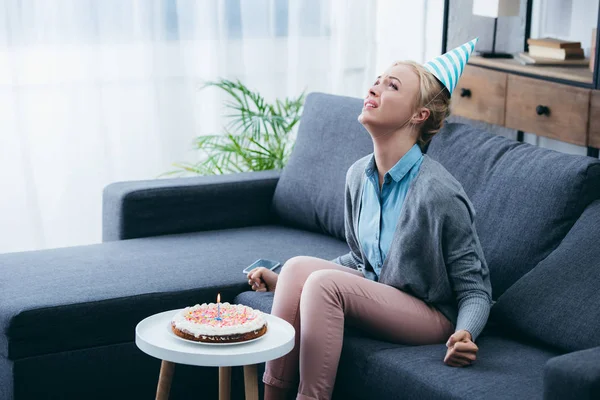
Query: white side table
{"points": [[153, 337]]}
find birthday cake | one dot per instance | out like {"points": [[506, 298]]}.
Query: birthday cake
{"points": [[224, 323]]}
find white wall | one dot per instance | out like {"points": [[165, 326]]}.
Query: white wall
{"points": [[408, 30]]}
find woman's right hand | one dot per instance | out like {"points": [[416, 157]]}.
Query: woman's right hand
{"points": [[262, 279]]}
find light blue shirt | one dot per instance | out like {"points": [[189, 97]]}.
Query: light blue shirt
{"points": [[380, 209]]}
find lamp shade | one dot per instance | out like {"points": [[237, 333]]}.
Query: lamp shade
{"points": [[496, 8]]}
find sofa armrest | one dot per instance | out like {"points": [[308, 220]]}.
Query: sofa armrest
{"points": [[137, 209], [574, 375]]}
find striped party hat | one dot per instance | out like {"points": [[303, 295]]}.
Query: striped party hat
{"points": [[449, 66]]}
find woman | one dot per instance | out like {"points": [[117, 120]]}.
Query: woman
{"points": [[424, 283]]}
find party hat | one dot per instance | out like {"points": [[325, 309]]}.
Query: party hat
{"points": [[449, 66]]}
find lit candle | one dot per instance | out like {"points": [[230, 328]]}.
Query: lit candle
{"points": [[219, 307]]}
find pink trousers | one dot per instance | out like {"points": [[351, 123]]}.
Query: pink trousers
{"points": [[317, 297]]}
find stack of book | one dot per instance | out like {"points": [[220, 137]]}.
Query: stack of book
{"points": [[551, 51]]}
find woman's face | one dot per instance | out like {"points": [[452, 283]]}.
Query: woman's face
{"points": [[390, 102]]}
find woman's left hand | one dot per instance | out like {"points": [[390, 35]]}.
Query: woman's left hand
{"points": [[461, 350]]}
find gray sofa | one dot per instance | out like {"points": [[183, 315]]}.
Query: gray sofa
{"points": [[67, 316]]}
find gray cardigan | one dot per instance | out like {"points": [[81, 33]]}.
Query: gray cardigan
{"points": [[435, 253]]}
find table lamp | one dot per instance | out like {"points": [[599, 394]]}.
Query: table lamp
{"points": [[495, 9]]}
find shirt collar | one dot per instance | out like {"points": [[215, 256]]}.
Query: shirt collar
{"points": [[401, 168]]}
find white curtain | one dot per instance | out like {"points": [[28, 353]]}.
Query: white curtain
{"points": [[98, 91]]}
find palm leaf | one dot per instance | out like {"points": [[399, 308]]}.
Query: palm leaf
{"points": [[258, 134]]}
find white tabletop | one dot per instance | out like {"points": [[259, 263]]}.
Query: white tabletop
{"points": [[154, 337]]}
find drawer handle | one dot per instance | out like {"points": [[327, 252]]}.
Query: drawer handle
{"points": [[464, 92], [542, 110]]}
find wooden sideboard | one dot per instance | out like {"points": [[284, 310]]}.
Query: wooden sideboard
{"points": [[554, 110], [559, 102]]}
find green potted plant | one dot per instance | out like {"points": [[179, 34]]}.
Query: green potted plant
{"points": [[258, 136]]}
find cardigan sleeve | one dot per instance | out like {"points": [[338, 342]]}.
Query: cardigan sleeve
{"points": [[467, 271], [351, 259]]}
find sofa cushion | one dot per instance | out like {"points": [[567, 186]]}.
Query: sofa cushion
{"points": [[262, 301], [526, 197], [310, 191], [504, 369], [352, 367], [373, 369], [79, 297], [558, 301]]}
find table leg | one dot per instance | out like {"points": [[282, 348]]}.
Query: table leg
{"points": [[251, 382], [164, 380], [224, 383]]}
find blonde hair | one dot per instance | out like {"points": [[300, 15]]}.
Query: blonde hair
{"points": [[433, 96]]}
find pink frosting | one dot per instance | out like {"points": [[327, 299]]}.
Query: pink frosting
{"points": [[230, 315]]}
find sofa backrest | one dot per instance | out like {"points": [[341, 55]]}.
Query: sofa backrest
{"points": [[310, 192], [558, 301], [526, 197]]}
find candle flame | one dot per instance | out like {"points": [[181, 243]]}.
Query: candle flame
{"points": [[219, 298]]}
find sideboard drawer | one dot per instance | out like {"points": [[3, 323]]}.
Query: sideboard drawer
{"points": [[548, 109], [480, 95], [595, 119]]}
